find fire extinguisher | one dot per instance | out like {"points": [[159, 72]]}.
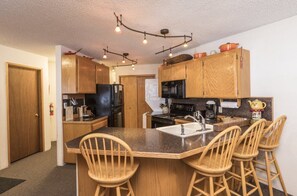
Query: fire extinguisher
{"points": [[51, 109]]}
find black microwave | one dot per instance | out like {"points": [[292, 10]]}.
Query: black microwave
{"points": [[174, 89]]}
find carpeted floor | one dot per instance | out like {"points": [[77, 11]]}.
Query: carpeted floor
{"points": [[42, 176]]}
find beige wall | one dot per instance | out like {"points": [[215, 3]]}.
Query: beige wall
{"points": [[52, 98], [127, 70], [25, 58]]}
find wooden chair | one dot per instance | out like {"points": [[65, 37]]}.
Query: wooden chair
{"points": [[268, 144], [110, 162], [246, 150], [213, 163]]}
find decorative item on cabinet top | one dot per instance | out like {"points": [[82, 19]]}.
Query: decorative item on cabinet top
{"points": [[177, 59]]}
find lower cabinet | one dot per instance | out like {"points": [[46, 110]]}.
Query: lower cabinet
{"points": [[74, 129]]}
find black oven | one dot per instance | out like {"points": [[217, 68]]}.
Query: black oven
{"points": [[174, 89]]}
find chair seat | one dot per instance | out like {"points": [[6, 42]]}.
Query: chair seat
{"points": [[204, 165], [109, 179], [238, 153]]}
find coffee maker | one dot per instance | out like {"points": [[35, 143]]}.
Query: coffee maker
{"points": [[211, 112]]}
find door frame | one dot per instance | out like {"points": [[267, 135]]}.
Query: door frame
{"points": [[41, 101]]}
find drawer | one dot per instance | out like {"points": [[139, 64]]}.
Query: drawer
{"points": [[99, 124]]}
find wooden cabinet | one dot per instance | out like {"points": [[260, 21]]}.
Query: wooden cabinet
{"points": [[102, 74], [227, 75], [194, 80], [173, 72], [134, 99], [223, 75], [78, 75], [74, 129]]}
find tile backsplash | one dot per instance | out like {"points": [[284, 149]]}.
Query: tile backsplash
{"points": [[242, 111]]}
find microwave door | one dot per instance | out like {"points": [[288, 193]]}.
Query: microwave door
{"points": [[165, 90]]}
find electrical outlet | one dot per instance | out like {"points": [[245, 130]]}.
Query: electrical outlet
{"points": [[220, 109]]}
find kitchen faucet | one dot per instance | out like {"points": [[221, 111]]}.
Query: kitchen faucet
{"points": [[197, 115]]}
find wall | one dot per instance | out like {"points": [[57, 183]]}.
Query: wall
{"points": [[25, 58], [273, 74], [127, 70], [52, 98]]}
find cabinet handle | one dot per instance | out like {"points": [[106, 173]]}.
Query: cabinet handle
{"points": [[36, 115]]}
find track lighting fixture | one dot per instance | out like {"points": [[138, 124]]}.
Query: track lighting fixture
{"points": [[117, 29], [144, 39], [124, 55], [170, 54], [104, 54], [163, 34], [185, 42]]}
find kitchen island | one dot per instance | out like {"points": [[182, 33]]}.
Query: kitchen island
{"points": [[161, 170]]}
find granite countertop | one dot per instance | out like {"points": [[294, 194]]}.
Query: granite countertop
{"points": [[152, 143], [86, 121]]}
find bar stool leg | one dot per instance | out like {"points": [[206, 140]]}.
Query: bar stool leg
{"points": [[191, 184], [242, 173], [267, 163], [211, 189], [279, 173], [130, 188], [97, 190], [118, 191], [256, 178], [226, 186]]}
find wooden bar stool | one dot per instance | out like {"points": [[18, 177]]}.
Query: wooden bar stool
{"points": [[213, 163], [268, 144], [246, 150], [110, 162]]}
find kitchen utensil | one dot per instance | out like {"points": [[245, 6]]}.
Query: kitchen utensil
{"points": [[228, 46], [199, 55]]}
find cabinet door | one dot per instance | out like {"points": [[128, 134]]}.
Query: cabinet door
{"points": [[105, 77], [86, 75], [220, 76], [165, 73], [102, 74], [178, 71], [194, 80], [69, 73]]}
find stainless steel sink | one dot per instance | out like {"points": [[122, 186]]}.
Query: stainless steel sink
{"points": [[190, 129]]}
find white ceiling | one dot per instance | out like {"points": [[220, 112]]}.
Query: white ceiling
{"points": [[38, 25]]}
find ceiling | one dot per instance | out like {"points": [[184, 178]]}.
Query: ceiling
{"points": [[38, 25]]}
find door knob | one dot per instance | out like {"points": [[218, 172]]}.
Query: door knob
{"points": [[36, 115]]}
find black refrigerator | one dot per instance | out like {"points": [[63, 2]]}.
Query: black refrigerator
{"points": [[108, 101]]}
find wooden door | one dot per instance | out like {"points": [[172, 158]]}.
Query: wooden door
{"points": [[220, 76], [130, 100], [86, 75], [194, 81], [142, 106], [24, 112]]}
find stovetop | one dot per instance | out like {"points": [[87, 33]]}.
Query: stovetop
{"points": [[168, 116]]}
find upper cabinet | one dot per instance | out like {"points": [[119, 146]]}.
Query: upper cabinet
{"points": [[223, 75], [194, 80], [102, 74], [227, 75], [78, 75], [173, 72]]}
